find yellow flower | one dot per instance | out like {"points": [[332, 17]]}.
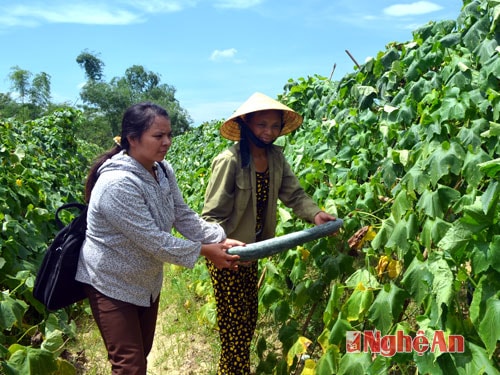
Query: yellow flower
{"points": [[304, 253], [390, 266], [383, 262], [360, 286], [309, 367], [394, 268], [19, 182]]}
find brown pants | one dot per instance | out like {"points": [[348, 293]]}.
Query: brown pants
{"points": [[127, 330]]}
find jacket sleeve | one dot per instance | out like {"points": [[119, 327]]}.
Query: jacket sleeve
{"points": [[132, 225], [220, 192], [293, 195], [188, 222]]}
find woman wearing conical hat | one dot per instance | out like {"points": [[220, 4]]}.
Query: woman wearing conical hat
{"points": [[242, 196]]}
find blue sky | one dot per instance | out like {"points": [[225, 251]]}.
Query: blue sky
{"points": [[215, 53]]}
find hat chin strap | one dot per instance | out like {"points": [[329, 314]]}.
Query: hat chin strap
{"points": [[247, 135]]}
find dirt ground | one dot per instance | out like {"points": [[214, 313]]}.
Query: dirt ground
{"points": [[184, 354]]}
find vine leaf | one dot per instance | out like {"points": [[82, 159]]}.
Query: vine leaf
{"points": [[329, 362], [298, 348], [11, 311], [494, 254], [355, 363], [33, 361], [339, 329], [456, 238], [489, 328], [445, 159], [433, 203], [418, 280], [387, 306], [358, 304], [442, 283]]}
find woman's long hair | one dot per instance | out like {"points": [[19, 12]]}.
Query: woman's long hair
{"points": [[137, 119]]}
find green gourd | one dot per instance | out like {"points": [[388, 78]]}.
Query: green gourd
{"points": [[276, 245]]}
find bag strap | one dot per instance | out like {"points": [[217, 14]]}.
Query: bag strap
{"points": [[163, 168], [65, 206], [82, 206]]}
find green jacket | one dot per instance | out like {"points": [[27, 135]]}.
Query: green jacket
{"points": [[230, 198]]}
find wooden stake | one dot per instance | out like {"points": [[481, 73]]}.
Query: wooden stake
{"points": [[353, 59], [331, 74]]}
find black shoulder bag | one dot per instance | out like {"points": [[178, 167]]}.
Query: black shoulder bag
{"points": [[55, 284]]}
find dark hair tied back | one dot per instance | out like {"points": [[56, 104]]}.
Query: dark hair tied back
{"points": [[136, 120]]}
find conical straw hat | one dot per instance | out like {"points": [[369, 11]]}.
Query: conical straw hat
{"points": [[260, 102]]}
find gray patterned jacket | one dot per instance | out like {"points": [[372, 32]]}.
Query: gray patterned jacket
{"points": [[129, 223]]}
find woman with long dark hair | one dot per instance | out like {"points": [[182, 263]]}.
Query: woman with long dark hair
{"points": [[134, 203]]}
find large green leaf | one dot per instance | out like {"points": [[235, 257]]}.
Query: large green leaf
{"points": [[355, 364], [473, 361], [386, 307], [53, 342], [475, 219], [435, 203], [471, 170], [402, 203], [333, 304], [356, 307], [442, 283], [480, 259], [338, 331], [489, 328], [362, 279], [446, 158], [418, 280], [474, 35], [487, 288], [33, 361], [491, 168], [416, 179], [452, 107], [433, 231], [11, 311], [384, 233], [269, 295], [491, 197], [456, 238], [329, 362], [494, 253], [298, 271]]}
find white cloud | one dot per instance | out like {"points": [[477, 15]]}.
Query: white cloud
{"points": [[224, 55], [120, 12], [68, 13], [417, 8], [161, 6], [237, 4]]}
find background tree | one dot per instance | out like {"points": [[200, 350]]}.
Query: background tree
{"points": [[91, 64], [39, 92], [105, 102], [20, 81], [34, 95], [8, 106]]}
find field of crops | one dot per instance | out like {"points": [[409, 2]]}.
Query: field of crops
{"points": [[406, 150]]}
